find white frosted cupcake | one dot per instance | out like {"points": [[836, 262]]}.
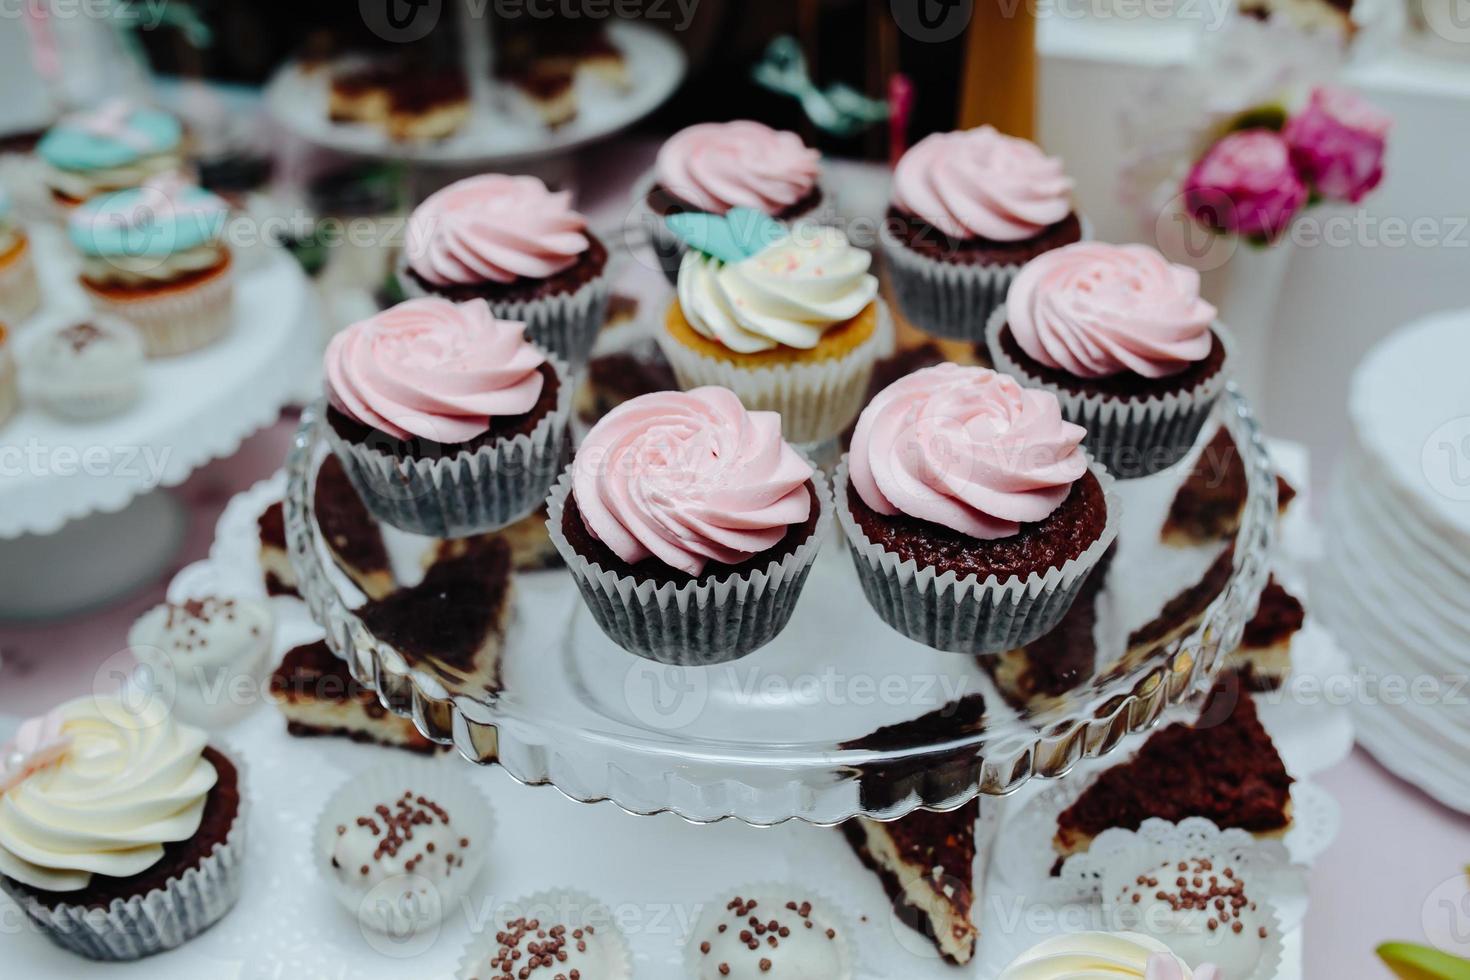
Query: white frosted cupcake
{"points": [[122, 832], [788, 319], [207, 657], [521, 248], [87, 370], [153, 256], [689, 525], [20, 290]]}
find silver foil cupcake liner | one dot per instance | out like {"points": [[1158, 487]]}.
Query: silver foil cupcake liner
{"points": [[20, 290], [694, 624], [958, 614], [1132, 437], [176, 321], [948, 299], [470, 492], [565, 324], [816, 400], [163, 919], [668, 248]]}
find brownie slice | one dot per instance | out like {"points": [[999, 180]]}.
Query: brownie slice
{"points": [[1263, 659], [1210, 501], [934, 777], [1224, 767], [275, 557], [926, 862], [351, 533], [317, 695]]}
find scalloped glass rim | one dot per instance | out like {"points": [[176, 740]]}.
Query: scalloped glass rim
{"points": [[647, 775]]}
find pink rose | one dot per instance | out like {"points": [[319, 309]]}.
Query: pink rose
{"points": [[1338, 142], [1246, 184]]}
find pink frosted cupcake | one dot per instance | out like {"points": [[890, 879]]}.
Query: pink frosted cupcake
{"points": [[1121, 336], [519, 247], [711, 168], [971, 510], [689, 525], [447, 420], [968, 209]]}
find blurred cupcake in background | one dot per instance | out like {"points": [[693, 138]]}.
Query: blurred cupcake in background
{"points": [[968, 209], [787, 318], [711, 168], [9, 385], [518, 246], [113, 147], [1122, 338], [20, 291], [154, 256], [89, 369]]}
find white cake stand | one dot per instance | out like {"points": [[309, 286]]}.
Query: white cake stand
{"points": [[497, 132], [80, 521]]}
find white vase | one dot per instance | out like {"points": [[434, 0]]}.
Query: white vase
{"points": [[1246, 289]]}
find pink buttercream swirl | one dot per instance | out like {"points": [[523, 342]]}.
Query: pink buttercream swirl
{"points": [[980, 183], [40, 742], [433, 369], [741, 164], [494, 228], [967, 448], [1093, 310], [689, 477]]}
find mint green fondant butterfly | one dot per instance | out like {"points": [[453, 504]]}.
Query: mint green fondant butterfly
{"points": [[732, 237]]}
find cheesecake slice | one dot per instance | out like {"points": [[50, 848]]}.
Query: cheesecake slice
{"points": [[1263, 659], [317, 695], [1223, 767], [530, 545], [275, 559], [934, 777], [453, 623], [926, 862], [1207, 507], [351, 534]]}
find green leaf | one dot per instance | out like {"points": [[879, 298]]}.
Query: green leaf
{"points": [[736, 236], [1412, 962]]}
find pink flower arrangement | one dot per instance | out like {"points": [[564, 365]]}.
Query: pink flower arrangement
{"points": [[1338, 142], [1246, 184], [1254, 182]]}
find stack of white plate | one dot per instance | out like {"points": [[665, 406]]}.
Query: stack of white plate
{"points": [[1394, 584]]}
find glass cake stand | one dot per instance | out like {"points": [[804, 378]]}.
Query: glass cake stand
{"points": [[839, 716]]}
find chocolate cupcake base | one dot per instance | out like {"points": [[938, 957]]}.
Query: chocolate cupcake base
{"points": [[105, 922], [1135, 427], [457, 494], [974, 608], [692, 623]]}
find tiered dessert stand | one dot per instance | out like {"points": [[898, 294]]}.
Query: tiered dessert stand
{"points": [[81, 518]]}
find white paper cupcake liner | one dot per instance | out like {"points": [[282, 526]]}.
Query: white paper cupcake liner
{"points": [[568, 907], [668, 248], [964, 614], [20, 290], [565, 324], [816, 400], [403, 907], [97, 398], [470, 492], [1132, 437], [694, 624], [772, 891], [948, 299], [177, 321], [163, 919]]}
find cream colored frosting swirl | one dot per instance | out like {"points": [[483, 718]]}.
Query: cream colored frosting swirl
{"points": [[138, 270], [979, 183], [79, 185], [1098, 956], [967, 448], [788, 294], [1093, 309], [131, 781]]}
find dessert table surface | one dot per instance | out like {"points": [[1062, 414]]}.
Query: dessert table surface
{"points": [[1398, 860], [1396, 871]]}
